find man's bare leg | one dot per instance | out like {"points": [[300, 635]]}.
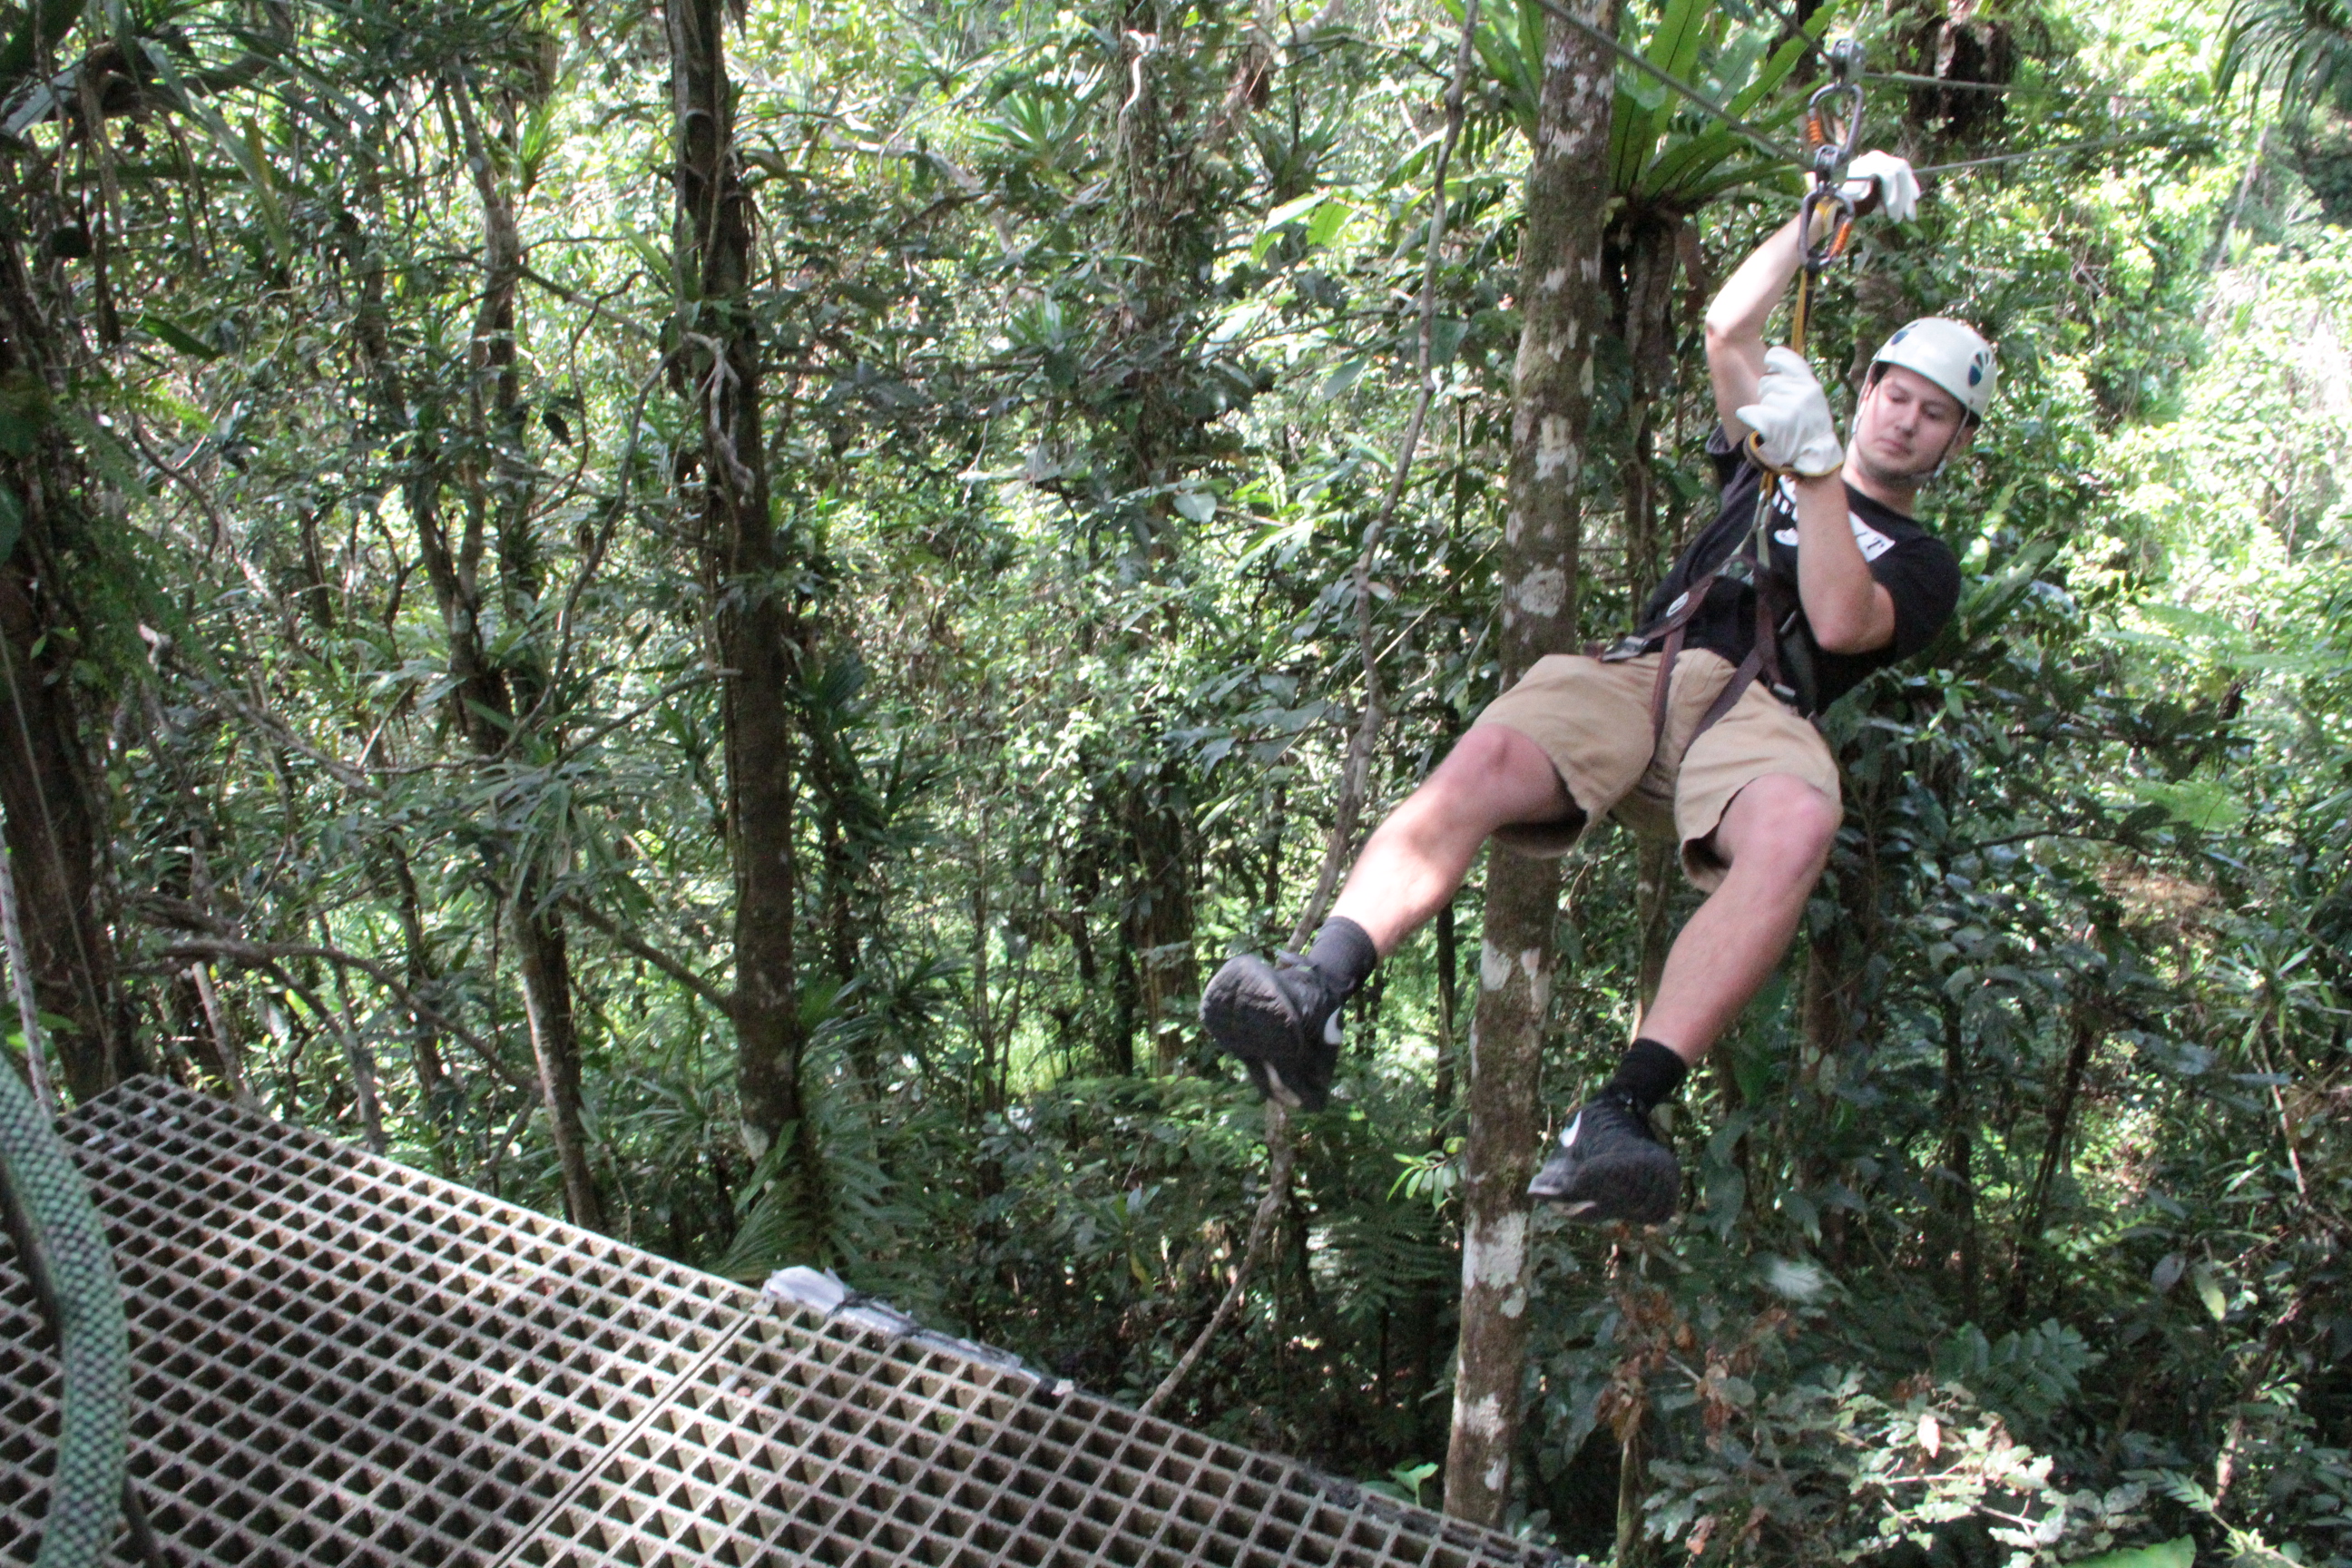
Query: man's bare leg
{"points": [[1283, 1019], [1777, 837], [1416, 860], [1611, 1165]]}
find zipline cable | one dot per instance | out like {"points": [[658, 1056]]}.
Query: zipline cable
{"points": [[1915, 79], [2051, 151], [1762, 140]]}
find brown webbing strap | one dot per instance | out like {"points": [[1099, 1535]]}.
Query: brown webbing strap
{"points": [[1672, 628], [1741, 679], [1768, 630], [1658, 693], [1763, 658], [1765, 655]]}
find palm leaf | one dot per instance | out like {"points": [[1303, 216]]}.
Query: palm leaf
{"points": [[1784, 60], [1636, 125], [2301, 49], [1510, 46], [1679, 172]]}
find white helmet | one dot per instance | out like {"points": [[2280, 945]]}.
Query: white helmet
{"points": [[1949, 353]]}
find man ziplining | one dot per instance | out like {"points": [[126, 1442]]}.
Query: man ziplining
{"points": [[1695, 726]]}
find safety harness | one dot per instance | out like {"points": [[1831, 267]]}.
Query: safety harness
{"points": [[1832, 132]]}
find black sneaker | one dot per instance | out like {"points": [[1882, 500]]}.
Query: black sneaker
{"points": [[1282, 1021], [1610, 1165]]}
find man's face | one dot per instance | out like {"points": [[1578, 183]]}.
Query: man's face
{"points": [[1905, 427]]}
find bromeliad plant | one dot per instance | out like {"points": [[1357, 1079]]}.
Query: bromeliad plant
{"points": [[1665, 152]]}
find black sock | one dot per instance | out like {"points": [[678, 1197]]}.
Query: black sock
{"points": [[1344, 952], [1649, 1073]]}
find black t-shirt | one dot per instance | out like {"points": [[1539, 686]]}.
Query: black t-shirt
{"points": [[1918, 570]]}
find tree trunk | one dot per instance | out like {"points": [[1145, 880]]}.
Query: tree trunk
{"points": [[496, 694], [1160, 916], [1498, 1160], [227, 1061], [1163, 205], [1559, 273], [1658, 864], [1644, 251], [1632, 1485], [366, 1088], [1957, 1195], [20, 990], [555, 1043], [984, 1035], [1449, 975], [58, 823], [758, 633], [2088, 1028], [438, 1095]]}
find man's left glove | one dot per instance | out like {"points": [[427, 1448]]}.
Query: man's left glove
{"points": [[1790, 417]]}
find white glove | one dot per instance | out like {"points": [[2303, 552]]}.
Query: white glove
{"points": [[1887, 177], [1790, 417]]}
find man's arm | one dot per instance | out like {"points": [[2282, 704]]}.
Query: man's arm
{"points": [[1850, 610], [1736, 318]]}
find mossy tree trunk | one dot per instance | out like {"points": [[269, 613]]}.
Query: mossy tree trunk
{"points": [[1563, 308]]}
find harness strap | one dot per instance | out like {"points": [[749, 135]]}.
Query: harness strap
{"points": [[1673, 646], [1763, 656], [1729, 697], [1767, 632]]}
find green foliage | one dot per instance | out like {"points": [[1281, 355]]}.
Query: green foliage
{"points": [[2180, 1554], [2300, 49], [1826, 1472], [2017, 1215], [2030, 1374], [1664, 150]]}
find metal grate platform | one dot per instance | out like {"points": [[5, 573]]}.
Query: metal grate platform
{"points": [[341, 1359]]}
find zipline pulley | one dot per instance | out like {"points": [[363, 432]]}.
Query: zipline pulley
{"points": [[1832, 134]]}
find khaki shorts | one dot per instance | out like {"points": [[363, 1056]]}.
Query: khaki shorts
{"points": [[1592, 719]]}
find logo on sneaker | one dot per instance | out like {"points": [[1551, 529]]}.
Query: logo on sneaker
{"points": [[1609, 1165]]}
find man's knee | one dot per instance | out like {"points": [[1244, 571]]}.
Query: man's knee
{"points": [[1497, 774], [1783, 821], [1488, 754]]}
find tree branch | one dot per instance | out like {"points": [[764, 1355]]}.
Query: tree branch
{"points": [[1281, 1154], [1355, 774], [630, 942], [265, 956]]}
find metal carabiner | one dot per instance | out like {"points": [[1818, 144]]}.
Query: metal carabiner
{"points": [[1836, 103], [1833, 131], [1829, 215]]}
